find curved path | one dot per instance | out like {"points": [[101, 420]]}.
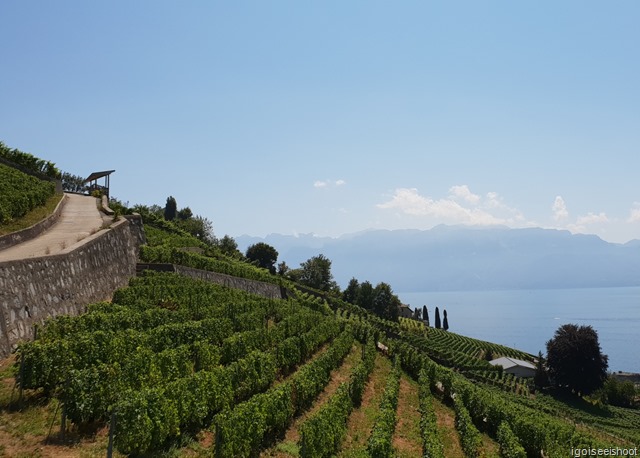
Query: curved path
{"points": [[79, 219]]}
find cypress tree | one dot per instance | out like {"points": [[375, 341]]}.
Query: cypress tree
{"points": [[445, 322], [438, 318], [170, 209], [425, 315]]}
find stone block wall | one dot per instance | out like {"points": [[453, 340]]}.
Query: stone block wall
{"points": [[260, 288], [34, 289]]}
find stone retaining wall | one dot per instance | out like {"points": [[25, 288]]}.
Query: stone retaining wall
{"points": [[260, 288], [34, 289]]}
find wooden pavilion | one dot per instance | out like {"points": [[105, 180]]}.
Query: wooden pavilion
{"points": [[93, 182]]}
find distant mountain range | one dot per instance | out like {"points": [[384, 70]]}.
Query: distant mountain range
{"points": [[450, 258]]}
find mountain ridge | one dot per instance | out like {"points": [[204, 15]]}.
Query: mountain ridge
{"points": [[449, 258]]}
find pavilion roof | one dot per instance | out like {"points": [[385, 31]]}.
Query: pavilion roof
{"points": [[98, 175]]}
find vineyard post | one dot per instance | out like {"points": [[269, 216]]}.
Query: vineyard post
{"points": [[63, 423], [21, 378], [112, 428]]}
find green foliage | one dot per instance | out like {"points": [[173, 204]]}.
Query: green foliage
{"points": [[575, 360], [184, 213], [170, 209], [21, 193], [316, 273], [241, 431], [164, 254], [73, 183], [380, 442], [229, 247], [509, 445], [263, 255], [322, 433], [29, 161], [350, 294], [617, 392], [470, 437], [385, 303], [431, 443], [365, 296]]}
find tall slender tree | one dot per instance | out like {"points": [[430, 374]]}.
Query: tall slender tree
{"points": [[170, 209], [438, 318], [425, 315], [445, 322]]}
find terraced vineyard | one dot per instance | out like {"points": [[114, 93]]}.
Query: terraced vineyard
{"points": [[174, 360], [174, 366]]}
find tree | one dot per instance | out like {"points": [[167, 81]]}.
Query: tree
{"points": [[385, 303], [170, 209], [417, 313], [316, 273], [575, 360], [263, 255], [618, 393], [365, 296], [228, 246], [283, 268], [541, 378], [185, 213], [445, 322], [199, 227], [350, 293], [73, 183], [437, 318], [425, 315]]}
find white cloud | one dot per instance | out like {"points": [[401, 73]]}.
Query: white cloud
{"points": [[559, 208], [634, 213], [592, 218], [463, 192], [328, 183], [410, 202]]}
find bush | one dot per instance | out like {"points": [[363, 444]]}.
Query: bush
{"points": [[617, 392]]}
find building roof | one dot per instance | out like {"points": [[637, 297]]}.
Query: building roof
{"points": [[507, 363], [98, 175]]}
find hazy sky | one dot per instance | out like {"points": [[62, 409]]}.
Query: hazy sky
{"points": [[337, 116]]}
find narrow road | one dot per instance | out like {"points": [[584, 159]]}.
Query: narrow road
{"points": [[79, 219]]}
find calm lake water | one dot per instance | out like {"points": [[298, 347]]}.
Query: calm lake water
{"points": [[526, 319]]}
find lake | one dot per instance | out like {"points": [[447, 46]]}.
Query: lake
{"points": [[526, 319]]}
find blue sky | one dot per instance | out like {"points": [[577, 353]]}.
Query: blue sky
{"points": [[333, 117]]}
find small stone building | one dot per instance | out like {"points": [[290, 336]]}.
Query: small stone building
{"points": [[405, 311]]}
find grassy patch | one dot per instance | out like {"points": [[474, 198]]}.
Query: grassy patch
{"points": [[34, 216], [447, 430]]}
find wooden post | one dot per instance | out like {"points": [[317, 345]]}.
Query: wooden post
{"points": [[112, 429]]}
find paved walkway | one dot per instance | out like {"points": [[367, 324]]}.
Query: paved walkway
{"points": [[79, 219]]}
